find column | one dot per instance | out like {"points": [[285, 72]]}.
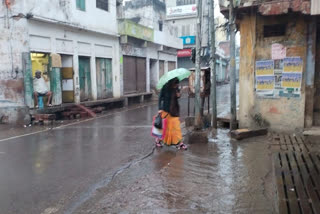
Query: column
{"points": [[94, 91], [147, 74], [76, 82]]}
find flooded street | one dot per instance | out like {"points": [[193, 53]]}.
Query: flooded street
{"points": [[109, 165], [221, 177]]}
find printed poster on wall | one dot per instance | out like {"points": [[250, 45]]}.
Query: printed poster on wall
{"points": [[265, 68], [278, 51], [291, 80], [292, 65], [264, 83]]}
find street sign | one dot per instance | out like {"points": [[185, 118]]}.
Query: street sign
{"points": [[184, 53], [188, 40]]}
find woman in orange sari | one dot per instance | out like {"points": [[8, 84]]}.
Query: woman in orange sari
{"points": [[170, 109]]}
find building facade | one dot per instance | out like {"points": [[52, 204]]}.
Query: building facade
{"points": [[182, 15], [279, 64], [148, 45], [74, 43]]}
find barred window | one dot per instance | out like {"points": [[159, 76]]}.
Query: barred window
{"points": [[103, 4]]}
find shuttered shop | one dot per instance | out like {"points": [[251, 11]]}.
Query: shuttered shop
{"points": [[134, 74], [171, 66]]}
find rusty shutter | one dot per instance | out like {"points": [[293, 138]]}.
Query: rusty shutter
{"points": [[141, 74], [129, 74], [161, 68], [171, 66]]}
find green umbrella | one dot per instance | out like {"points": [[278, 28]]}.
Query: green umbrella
{"points": [[180, 73]]}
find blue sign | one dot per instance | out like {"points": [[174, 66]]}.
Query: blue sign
{"points": [[188, 40]]}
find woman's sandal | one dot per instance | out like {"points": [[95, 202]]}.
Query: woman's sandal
{"points": [[182, 146], [158, 143]]}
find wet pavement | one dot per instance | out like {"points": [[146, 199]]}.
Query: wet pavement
{"points": [[108, 165], [218, 177]]}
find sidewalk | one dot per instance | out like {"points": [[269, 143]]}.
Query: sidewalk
{"points": [[219, 177]]}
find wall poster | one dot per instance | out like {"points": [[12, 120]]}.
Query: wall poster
{"points": [[279, 77], [265, 81]]}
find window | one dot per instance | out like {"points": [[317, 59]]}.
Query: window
{"points": [[274, 30], [103, 4], [81, 5], [185, 2]]}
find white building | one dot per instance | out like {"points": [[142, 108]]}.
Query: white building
{"points": [[35, 34], [182, 14], [149, 46]]}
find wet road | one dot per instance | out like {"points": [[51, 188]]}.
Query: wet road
{"points": [[218, 177], [55, 171]]}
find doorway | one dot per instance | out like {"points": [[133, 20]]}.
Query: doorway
{"points": [[67, 79], [104, 78], [84, 78]]}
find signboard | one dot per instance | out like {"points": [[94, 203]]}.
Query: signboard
{"points": [[192, 80], [278, 51], [184, 53], [127, 27], [188, 40], [182, 10]]}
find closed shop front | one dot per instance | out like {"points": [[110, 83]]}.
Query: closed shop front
{"points": [[104, 78], [171, 66], [134, 74], [85, 78], [161, 68]]}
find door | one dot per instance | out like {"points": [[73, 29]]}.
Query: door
{"points": [[141, 74], [104, 78], [129, 75], [171, 66], [85, 78], [161, 68]]}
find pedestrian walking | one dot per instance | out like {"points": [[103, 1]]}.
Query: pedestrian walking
{"points": [[169, 109]]}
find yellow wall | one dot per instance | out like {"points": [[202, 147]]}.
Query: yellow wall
{"points": [[40, 62]]}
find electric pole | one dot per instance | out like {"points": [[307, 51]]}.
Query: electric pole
{"points": [[233, 109], [213, 65], [198, 119]]}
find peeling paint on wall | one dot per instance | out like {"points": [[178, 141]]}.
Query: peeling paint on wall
{"points": [[291, 116]]}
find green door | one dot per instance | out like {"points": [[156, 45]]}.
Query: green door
{"points": [[85, 78], [104, 78]]}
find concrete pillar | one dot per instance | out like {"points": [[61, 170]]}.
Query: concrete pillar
{"points": [[147, 74], [55, 86], [166, 66], [93, 71], [117, 70], [221, 71], [76, 73], [28, 79], [310, 72]]}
